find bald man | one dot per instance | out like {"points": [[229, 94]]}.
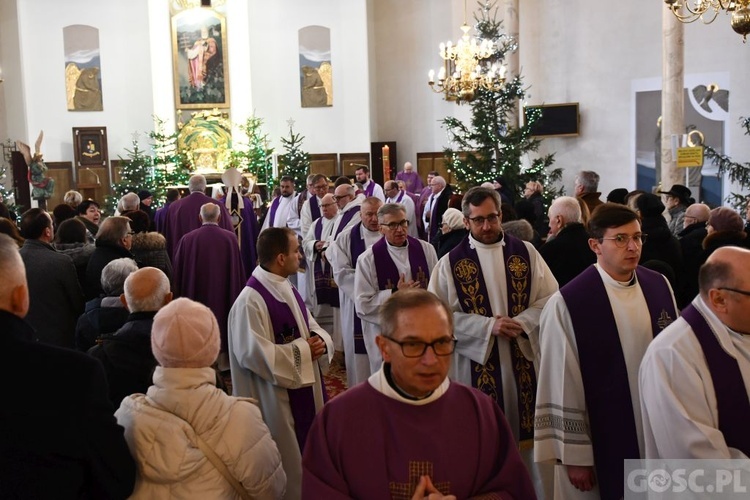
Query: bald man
{"points": [[62, 442], [691, 241], [126, 354], [410, 178], [695, 376]]}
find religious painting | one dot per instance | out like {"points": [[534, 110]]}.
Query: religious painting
{"points": [[706, 98], [90, 146], [83, 79], [199, 58], [316, 78]]}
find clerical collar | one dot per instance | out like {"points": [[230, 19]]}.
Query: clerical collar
{"points": [[474, 243], [210, 223], [395, 387], [405, 245]]}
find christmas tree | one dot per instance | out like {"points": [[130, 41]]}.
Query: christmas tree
{"points": [[7, 196], [493, 144], [156, 173], [295, 161], [257, 158], [739, 173]]}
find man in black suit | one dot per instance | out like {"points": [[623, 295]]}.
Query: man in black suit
{"points": [[566, 251], [437, 204], [59, 437], [56, 295]]}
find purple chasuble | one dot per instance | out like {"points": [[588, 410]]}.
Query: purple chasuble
{"points": [[246, 228], [326, 290], [302, 400], [345, 218], [272, 212], [471, 289], [357, 248], [370, 188], [731, 395], [387, 271], [603, 369], [411, 179], [314, 208]]}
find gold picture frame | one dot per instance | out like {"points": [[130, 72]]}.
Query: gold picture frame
{"points": [[199, 59]]}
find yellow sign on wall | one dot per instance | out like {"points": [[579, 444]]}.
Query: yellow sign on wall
{"points": [[690, 157]]}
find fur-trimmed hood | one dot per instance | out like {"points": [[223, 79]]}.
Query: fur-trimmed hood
{"points": [[149, 241], [719, 239]]}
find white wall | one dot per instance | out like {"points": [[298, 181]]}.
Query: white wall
{"points": [[126, 72], [274, 60]]}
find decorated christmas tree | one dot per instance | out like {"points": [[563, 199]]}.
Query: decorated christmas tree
{"points": [[257, 158], [7, 196], [493, 144], [738, 173], [295, 162]]}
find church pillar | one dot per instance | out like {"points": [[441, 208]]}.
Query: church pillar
{"points": [[672, 96], [510, 25]]}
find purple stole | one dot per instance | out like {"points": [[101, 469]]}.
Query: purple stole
{"points": [[314, 208], [357, 248], [726, 377], [603, 370], [345, 218], [302, 400], [370, 188], [471, 289], [326, 290], [387, 271], [272, 212], [399, 197]]}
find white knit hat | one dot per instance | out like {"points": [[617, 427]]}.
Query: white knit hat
{"points": [[454, 219], [185, 334]]}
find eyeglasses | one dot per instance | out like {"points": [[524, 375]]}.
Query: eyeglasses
{"points": [[323, 205], [321, 186], [416, 349], [337, 198], [479, 221], [735, 290], [622, 240], [395, 225], [131, 233]]}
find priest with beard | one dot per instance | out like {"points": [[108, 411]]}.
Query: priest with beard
{"points": [[281, 206]]}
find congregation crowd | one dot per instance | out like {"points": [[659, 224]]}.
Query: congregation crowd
{"points": [[493, 347]]}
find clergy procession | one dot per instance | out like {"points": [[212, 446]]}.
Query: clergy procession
{"points": [[478, 356]]}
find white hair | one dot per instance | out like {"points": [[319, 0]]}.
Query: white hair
{"points": [[566, 207], [114, 275], [210, 212], [130, 201], [73, 198], [197, 183], [439, 180]]}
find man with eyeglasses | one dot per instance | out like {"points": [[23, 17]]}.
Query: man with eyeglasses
{"points": [[349, 204], [496, 285], [311, 208], [435, 207], [395, 262], [370, 187], [695, 376], [343, 255], [691, 243], [323, 294], [409, 432], [593, 334], [395, 195]]}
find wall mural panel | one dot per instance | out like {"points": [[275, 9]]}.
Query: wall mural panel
{"points": [[199, 58], [83, 79], [316, 78]]}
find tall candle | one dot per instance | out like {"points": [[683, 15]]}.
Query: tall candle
{"points": [[386, 163]]}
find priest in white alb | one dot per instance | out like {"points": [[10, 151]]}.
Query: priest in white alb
{"points": [[395, 195]]}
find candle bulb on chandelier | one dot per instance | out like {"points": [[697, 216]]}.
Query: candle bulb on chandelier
{"points": [[432, 76]]}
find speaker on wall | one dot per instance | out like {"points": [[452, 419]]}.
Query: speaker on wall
{"points": [[557, 120]]}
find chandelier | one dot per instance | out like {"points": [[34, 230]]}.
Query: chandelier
{"points": [[708, 10], [463, 71]]}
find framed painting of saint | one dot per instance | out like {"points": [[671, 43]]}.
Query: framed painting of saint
{"points": [[199, 59], [90, 146]]}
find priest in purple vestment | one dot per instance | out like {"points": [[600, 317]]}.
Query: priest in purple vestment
{"points": [[208, 268], [183, 215], [409, 431], [411, 178]]}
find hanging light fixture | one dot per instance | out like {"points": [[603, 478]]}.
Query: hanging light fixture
{"points": [[708, 10], [463, 71]]}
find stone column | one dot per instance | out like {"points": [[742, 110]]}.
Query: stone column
{"points": [[672, 96], [511, 27]]}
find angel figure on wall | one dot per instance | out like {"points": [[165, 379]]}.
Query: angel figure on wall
{"points": [[42, 186]]}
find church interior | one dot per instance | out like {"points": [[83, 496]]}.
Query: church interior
{"points": [[605, 56]]}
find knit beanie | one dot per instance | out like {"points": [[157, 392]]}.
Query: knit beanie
{"points": [[185, 334], [725, 219], [453, 218]]}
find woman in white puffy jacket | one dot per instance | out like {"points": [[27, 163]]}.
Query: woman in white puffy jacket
{"points": [[161, 426]]}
